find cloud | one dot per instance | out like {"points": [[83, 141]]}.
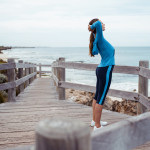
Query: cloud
{"points": [[69, 18]]}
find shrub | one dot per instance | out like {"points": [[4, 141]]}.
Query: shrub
{"points": [[3, 78], [3, 71], [3, 96]]}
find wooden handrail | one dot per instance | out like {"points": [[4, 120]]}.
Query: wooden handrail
{"points": [[145, 72], [6, 66], [124, 135], [142, 72], [23, 81], [92, 67]]}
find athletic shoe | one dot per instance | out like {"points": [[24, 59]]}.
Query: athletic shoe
{"points": [[96, 129], [103, 123]]}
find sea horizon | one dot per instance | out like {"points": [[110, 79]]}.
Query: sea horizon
{"points": [[126, 56]]}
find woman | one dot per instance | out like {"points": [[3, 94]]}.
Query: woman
{"points": [[103, 71]]}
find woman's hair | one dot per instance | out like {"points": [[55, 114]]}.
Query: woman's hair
{"points": [[92, 37]]}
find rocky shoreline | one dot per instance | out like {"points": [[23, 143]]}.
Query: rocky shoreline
{"points": [[122, 106], [4, 48]]}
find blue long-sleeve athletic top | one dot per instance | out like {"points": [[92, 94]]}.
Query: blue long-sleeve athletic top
{"points": [[106, 50]]}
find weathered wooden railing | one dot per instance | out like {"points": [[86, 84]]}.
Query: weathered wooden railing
{"points": [[135, 128], [26, 74], [58, 73], [67, 134], [58, 134], [40, 69]]}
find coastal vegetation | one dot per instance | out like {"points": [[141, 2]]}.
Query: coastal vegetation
{"points": [[3, 79]]}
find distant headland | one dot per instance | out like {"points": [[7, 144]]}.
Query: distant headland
{"points": [[4, 48], [10, 47]]}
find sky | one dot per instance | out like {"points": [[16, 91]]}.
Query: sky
{"points": [[63, 23]]}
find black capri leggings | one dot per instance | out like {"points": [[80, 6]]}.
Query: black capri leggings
{"points": [[104, 76]]}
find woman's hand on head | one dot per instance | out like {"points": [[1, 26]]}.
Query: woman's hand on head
{"points": [[89, 28], [103, 25]]}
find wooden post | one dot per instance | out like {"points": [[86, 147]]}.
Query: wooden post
{"points": [[54, 71], [142, 87], [11, 77], [62, 134], [26, 73], [40, 70], [30, 71], [35, 71], [61, 77], [20, 75]]}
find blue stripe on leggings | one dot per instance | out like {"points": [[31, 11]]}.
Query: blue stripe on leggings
{"points": [[106, 84]]}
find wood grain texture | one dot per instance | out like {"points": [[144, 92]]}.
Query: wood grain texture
{"points": [[20, 75], [6, 66], [11, 78], [61, 77], [124, 135], [23, 79], [28, 65], [62, 134], [142, 87], [145, 72], [85, 66], [40, 69], [112, 92], [37, 102], [16, 83], [26, 73], [45, 65]]}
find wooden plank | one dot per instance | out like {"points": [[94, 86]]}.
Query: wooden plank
{"points": [[145, 101], [20, 75], [55, 79], [45, 65], [117, 135], [23, 65], [40, 69], [30, 72], [61, 77], [36, 103], [6, 66], [145, 72], [142, 87], [23, 79], [44, 71], [16, 83], [7, 85], [126, 69], [26, 74], [11, 78], [112, 92], [116, 93], [35, 70], [85, 66]]}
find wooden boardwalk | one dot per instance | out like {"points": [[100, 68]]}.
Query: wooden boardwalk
{"points": [[39, 101]]}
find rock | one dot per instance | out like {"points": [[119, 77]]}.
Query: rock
{"points": [[119, 105]]}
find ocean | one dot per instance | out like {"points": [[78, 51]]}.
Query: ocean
{"points": [[126, 56]]}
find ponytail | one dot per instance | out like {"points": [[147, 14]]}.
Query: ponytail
{"points": [[92, 37], [91, 44]]}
